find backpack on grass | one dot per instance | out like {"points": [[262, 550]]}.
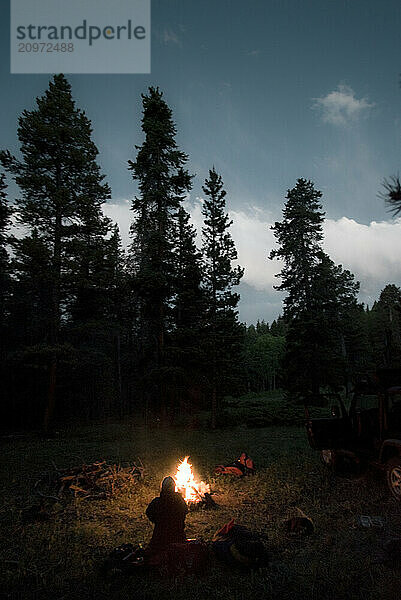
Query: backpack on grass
{"points": [[243, 466], [238, 546]]}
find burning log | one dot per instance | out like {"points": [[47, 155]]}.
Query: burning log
{"points": [[195, 493]]}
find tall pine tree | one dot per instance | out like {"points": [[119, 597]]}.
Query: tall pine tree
{"points": [[163, 183], [224, 336], [117, 310], [5, 223], [188, 308], [319, 294], [62, 191], [299, 237], [5, 278]]}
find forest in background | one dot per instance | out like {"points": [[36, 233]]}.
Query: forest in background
{"points": [[90, 329]]}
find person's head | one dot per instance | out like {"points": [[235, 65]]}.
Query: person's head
{"points": [[167, 486]]}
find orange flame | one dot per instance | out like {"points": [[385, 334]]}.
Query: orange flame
{"points": [[191, 490]]}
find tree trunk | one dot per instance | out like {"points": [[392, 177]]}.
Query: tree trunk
{"points": [[160, 364], [54, 326]]}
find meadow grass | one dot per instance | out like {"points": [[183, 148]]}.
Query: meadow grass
{"points": [[60, 558]]}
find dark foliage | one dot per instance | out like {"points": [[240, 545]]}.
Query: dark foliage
{"points": [[223, 333], [320, 295], [89, 330]]}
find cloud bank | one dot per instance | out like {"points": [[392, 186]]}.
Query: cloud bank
{"points": [[341, 107], [371, 252]]}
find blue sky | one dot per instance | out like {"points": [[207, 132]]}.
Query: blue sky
{"points": [[267, 91]]}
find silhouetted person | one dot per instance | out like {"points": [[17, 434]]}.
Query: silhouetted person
{"points": [[167, 512]]}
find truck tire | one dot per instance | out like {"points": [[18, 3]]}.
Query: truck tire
{"points": [[393, 476]]}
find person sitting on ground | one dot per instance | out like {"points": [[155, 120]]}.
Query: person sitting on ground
{"points": [[167, 512]]}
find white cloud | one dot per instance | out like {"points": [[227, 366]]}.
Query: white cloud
{"points": [[340, 107], [120, 213], [371, 252]]}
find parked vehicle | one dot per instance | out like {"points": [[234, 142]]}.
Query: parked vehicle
{"points": [[368, 433]]}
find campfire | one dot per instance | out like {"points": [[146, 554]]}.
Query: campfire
{"points": [[192, 491]]}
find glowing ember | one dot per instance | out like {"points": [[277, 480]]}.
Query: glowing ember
{"points": [[191, 490]]}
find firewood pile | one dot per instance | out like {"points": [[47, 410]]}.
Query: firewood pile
{"points": [[98, 480]]}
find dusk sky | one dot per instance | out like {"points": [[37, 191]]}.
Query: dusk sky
{"points": [[267, 91]]}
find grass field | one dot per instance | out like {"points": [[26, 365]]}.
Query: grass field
{"points": [[60, 558]]}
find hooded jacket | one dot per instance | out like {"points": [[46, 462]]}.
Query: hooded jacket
{"points": [[167, 512]]}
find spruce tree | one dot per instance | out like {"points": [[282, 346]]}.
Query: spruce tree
{"points": [[188, 295], [187, 311], [299, 237], [323, 327], [5, 223], [385, 327], [279, 327], [114, 282], [163, 183], [319, 296], [224, 336], [5, 279], [262, 327], [117, 309], [62, 191]]}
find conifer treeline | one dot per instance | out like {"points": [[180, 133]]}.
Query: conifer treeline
{"points": [[331, 340], [89, 329]]}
